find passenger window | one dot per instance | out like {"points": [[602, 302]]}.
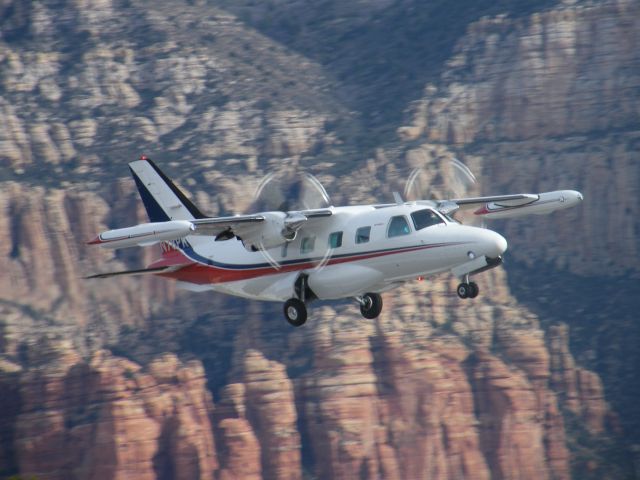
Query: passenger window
{"points": [[307, 244], [363, 234], [425, 218], [398, 226], [335, 240]]}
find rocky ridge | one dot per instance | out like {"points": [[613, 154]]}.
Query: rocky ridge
{"points": [[473, 388]]}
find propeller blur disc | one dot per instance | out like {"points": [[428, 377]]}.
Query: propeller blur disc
{"points": [[289, 192], [450, 178]]}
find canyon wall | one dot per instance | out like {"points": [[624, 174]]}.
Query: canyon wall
{"points": [[550, 102], [131, 377]]}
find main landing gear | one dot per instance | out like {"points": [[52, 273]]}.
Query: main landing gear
{"points": [[370, 305], [468, 289], [295, 311]]}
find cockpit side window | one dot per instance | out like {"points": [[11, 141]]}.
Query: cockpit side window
{"points": [[425, 218], [398, 226]]}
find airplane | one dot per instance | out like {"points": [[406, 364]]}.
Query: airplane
{"points": [[298, 256]]}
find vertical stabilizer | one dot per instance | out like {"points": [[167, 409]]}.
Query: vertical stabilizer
{"points": [[162, 199]]}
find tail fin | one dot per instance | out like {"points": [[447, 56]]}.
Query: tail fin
{"points": [[162, 199]]}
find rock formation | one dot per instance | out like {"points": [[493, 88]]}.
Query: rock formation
{"points": [[108, 418], [433, 389], [371, 405]]}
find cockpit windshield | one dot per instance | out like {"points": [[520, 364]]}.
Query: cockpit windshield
{"points": [[425, 218]]}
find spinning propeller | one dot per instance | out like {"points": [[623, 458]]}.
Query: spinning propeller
{"points": [[434, 184], [292, 195], [287, 191]]}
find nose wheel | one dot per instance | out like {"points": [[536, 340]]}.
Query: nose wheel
{"points": [[295, 311], [468, 290]]}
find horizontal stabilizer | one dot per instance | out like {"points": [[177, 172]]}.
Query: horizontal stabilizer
{"points": [[143, 271]]}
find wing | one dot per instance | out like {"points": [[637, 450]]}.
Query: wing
{"points": [[241, 224], [217, 225], [509, 206], [145, 234], [507, 200], [261, 231], [258, 230], [316, 213]]}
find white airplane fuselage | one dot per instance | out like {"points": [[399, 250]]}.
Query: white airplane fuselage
{"points": [[353, 268]]}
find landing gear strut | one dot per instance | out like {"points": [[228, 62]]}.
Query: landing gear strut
{"points": [[370, 305], [468, 289], [295, 309]]}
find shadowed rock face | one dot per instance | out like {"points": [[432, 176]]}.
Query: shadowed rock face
{"points": [[435, 388]]}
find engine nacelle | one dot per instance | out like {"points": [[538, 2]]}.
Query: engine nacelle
{"points": [[277, 229]]}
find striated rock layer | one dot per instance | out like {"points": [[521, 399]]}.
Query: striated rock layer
{"points": [[434, 389], [372, 406], [108, 418]]}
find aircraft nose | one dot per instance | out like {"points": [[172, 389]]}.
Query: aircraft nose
{"points": [[496, 244]]}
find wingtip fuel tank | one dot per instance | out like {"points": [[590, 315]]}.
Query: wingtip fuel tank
{"points": [[544, 203], [144, 234]]}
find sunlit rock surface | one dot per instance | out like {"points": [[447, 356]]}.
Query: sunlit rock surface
{"points": [[436, 388], [109, 418]]}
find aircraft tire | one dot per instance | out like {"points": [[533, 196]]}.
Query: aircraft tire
{"points": [[474, 289], [371, 306], [463, 290], [295, 311]]}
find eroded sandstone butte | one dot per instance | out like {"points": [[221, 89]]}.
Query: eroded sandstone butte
{"points": [[372, 406]]}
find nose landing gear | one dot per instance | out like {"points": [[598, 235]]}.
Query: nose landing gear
{"points": [[468, 290]]}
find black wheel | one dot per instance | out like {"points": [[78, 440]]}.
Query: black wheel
{"points": [[463, 290], [371, 305], [295, 311], [474, 290]]}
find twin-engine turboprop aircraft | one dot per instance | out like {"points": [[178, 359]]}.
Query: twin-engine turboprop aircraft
{"points": [[297, 256]]}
